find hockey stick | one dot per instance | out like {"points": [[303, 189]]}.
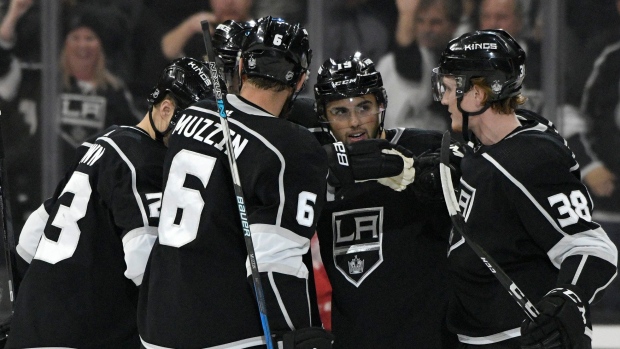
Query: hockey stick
{"points": [[245, 225], [9, 245], [459, 224]]}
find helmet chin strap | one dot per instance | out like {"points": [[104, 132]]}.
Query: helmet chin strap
{"points": [[380, 129], [158, 134], [466, 115]]}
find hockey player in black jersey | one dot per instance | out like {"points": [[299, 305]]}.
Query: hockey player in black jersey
{"points": [[523, 202], [198, 291], [88, 245], [382, 238]]}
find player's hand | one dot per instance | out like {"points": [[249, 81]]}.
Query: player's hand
{"points": [[427, 185], [370, 159], [308, 338], [601, 181], [562, 323]]}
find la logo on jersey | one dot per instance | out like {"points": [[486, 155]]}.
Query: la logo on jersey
{"points": [[358, 237]]}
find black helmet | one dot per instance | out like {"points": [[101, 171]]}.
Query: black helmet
{"points": [[228, 39], [276, 50], [350, 77], [186, 79], [492, 54]]}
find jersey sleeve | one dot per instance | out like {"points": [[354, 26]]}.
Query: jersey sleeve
{"points": [[556, 210], [123, 188], [291, 198]]}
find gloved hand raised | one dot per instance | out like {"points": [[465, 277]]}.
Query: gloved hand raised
{"points": [[371, 159], [562, 323]]}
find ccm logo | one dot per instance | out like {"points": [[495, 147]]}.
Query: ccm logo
{"points": [[483, 46], [344, 82]]}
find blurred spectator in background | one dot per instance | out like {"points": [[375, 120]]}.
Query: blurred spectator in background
{"points": [[294, 11], [423, 29], [92, 97], [358, 25], [166, 32], [510, 15], [20, 76], [601, 104]]}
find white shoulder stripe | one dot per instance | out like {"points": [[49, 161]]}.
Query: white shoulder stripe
{"points": [[525, 191], [145, 220], [280, 250], [591, 242]]}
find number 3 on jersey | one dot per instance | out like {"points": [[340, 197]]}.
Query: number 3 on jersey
{"points": [[66, 219], [176, 197]]}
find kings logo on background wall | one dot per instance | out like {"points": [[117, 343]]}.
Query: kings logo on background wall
{"points": [[358, 237]]}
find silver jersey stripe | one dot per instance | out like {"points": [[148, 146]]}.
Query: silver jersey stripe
{"points": [[145, 220], [591, 242], [494, 338], [244, 343], [267, 144]]}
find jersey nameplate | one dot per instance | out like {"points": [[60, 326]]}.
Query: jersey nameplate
{"points": [[207, 131]]}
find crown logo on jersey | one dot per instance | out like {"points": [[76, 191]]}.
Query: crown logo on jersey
{"points": [[356, 266], [496, 87], [252, 63]]}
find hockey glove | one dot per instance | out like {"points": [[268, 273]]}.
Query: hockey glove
{"points": [[562, 323], [308, 338], [370, 159], [427, 185]]}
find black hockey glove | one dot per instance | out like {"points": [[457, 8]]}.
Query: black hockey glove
{"points": [[308, 338], [427, 184], [562, 323], [372, 159]]}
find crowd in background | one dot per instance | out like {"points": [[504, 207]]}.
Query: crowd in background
{"points": [[110, 50]]}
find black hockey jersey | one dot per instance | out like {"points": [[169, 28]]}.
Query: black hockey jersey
{"points": [[524, 204], [385, 254], [197, 292], [80, 290]]}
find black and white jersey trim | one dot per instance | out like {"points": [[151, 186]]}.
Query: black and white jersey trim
{"points": [[244, 343], [494, 338], [134, 188]]}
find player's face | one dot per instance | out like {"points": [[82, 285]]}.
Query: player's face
{"points": [[434, 30], [468, 103], [354, 119], [496, 14], [83, 50], [449, 99]]}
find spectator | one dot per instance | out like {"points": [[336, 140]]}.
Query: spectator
{"points": [[509, 15], [92, 97], [424, 27], [601, 103], [157, 40], [20, 76], [358, 25]]}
